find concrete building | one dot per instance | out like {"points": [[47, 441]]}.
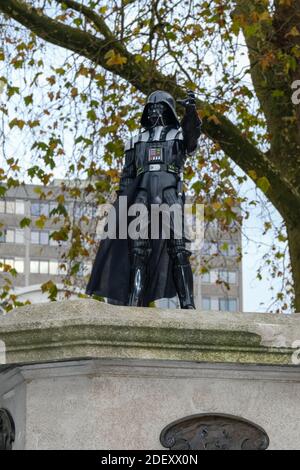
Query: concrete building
{"points": [[38, 258]]}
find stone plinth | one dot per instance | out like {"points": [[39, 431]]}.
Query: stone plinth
{"points": [[87, 375]]}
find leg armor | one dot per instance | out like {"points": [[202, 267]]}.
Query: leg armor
{"points": [[182, 273], [140, 254]]}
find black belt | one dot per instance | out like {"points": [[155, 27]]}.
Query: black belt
{"points": [[158, 167]]}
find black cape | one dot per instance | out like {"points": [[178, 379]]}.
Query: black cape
{"points": [[111, 269]]}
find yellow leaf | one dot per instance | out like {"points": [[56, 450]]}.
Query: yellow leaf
{"points": [[74, 92], [252, 174], [294, 32], [216, 205], [214, 119], [267, 60], [114, 58], [265, 16]]}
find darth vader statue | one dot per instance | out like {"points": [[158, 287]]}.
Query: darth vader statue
{"points": [[138, 271]]}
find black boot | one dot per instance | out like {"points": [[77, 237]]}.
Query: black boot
{"points": [[183, 279]]}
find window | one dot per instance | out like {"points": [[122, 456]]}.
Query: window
{"points": [[44, 209], [214, 304], [44, 238], [223, 305], [35, 209], [206, 248], [44, 267], [228, 305], [35, 237], [19, 265], [232, 305], [53, 267], [206, 303], [39, 208], [223, 276], [9, 235], [231, 249], [34, 267], [10, 207], [9, 261], [227, 276], [20, 206], [210, 248], [232, 277], [53, 242], [19, 238], [39, 237], [206, 277]]}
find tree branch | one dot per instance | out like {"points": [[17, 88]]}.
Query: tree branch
{"points": [[90, 14], [264, 36], [220, 130]]}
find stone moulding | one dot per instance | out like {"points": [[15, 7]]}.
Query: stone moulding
{"points": [[86, 328]]}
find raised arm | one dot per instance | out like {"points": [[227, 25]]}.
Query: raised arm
{"points": [[190, 124]]}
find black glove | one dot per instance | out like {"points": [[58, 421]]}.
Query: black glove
{"points": [[190, 100]]}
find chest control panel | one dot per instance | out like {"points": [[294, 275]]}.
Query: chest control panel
{"points": [[155, 155]]}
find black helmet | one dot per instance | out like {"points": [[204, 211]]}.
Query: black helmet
{"points": [[160, 96]]}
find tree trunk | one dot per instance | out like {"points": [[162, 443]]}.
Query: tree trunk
{"points": [[294, 247]]}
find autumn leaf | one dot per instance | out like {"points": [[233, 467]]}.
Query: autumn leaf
{"points": [[267, 60], [263, 184], [252, 174], [294, 32], [114, 58], [214, 119], [74, 92], [17, 123]]}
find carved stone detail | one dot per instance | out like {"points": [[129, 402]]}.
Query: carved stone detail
{"points": [[214, 432], [7, 430]]}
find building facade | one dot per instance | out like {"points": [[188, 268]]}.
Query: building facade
{"points": [[38, 258]]}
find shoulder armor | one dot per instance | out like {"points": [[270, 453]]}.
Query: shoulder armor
{"points": [[141, 137], [175, 134]]}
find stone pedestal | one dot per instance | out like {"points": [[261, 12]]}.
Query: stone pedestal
{"points": [[87, 375]]}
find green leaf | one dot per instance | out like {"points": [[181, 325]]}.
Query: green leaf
{"points": [[263, 184], [92, 116], [12, 90], [2, 191], [25, 222], [28, 100]]}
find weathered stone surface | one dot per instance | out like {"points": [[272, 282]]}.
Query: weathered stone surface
{"points": [[125, 403], [79, 373], [87, 328]]}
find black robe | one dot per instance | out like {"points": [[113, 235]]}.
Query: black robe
{"points": [[110, 275]]}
